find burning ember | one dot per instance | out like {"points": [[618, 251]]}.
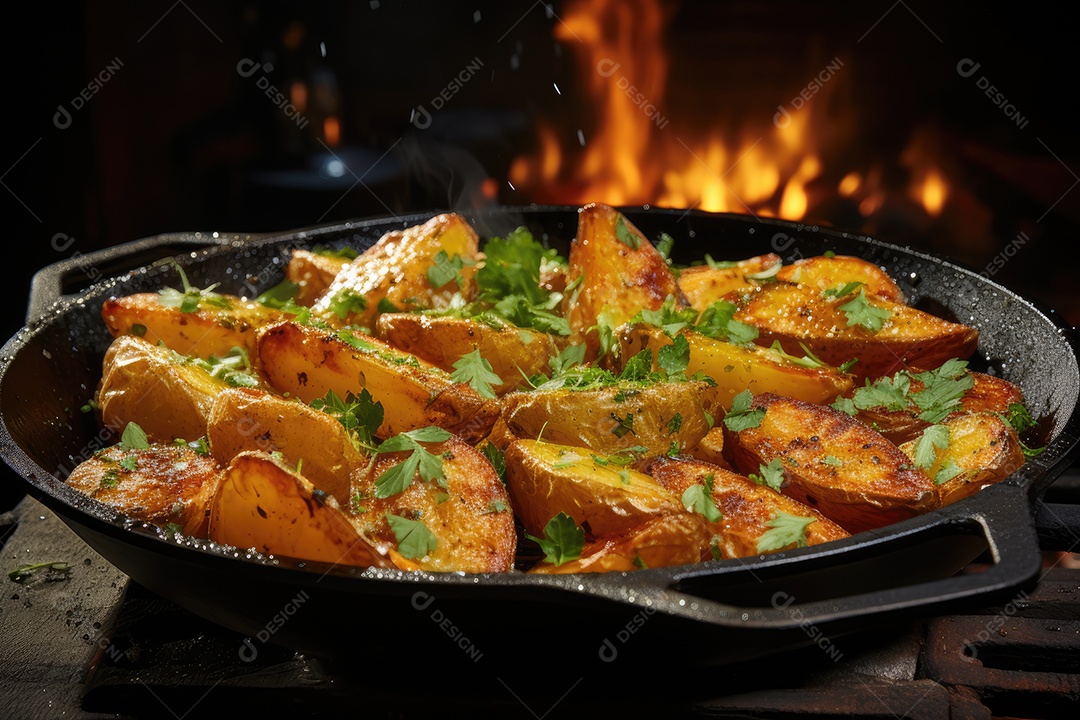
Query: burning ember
{"points": [[642, 152]]}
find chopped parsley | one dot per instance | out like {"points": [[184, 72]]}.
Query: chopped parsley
{"points": [[563, 540], [698, 498], [445, 269], [414, 538], [741, 416], [189, 300], [947, 472], [280, 296], [772, 475], [359, 414], [625, 235], [843, 291], [399, 477], [495, 457], [786, 529], [134, 438], [347, 302], [343, 253], [717, 322], [477, 373], [934, 438], [675, 423], [861, 313]]}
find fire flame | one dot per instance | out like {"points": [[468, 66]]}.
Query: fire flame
{"points": [[636, 154]]}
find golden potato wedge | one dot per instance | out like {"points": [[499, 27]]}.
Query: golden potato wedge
{"points": [[982, 449], [306, 362], [907, 337], [160, 484], [739, 367], [675, 539], [833, 463], [601, 496], [988, 393], [747, 508], [647, 420], [167, 395], [468, 515], [213, 329], [244, 419], [265, 505], [710, 449], [514, 353], [395, 270], [313, 273], [702, 285], [828, 272], [615, 271]]}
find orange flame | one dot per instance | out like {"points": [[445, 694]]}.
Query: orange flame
{"points": [[638, 154]]}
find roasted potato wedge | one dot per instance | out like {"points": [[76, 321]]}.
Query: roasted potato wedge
{"points": [[601, 496], [160, 484], [243, 419], [833, 463], [313, 273], [514, 353], [214, 328], [306, 362], [675, 539], [907, 337], [710, 449], [982, 449], [986, 394], [646, 420], [468, 514], [165, 394], [395, 270], [702, 285], [260, 502], [738, 367], [747, 508], [828, 272], [615, 271]]}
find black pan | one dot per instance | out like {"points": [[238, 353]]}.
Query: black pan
{"points": [[715, 612]]}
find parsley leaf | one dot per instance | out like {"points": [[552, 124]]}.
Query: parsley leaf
{"points": [[1019, 417], [567, 358], [843, 291], [344, 253], [717, 322], [477, 372], [563, 540], [674, 358], [359, 414], [860, 312], [698, 498], [890, 393], [134, 438], [786, 529], [625, 235], [279, 296], [399, 477], [772, 475], [845, 405], [445, 269], [942, 390], [346, 302], [741, 416], [664, 246], [495, 457], [935, 436], [948, 471], [413, 537], [188, 300]]}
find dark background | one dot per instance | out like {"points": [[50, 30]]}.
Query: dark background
{"points": [[178, 140]]}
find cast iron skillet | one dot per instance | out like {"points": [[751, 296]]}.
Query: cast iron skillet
{"points": [[716, 612]]}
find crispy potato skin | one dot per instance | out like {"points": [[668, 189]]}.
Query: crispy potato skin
{"points": [[710, 449], [141, 383], [442, 341], [313, 273], [703, 285], [395, 268], [987, 394], [616, 280], [170, 484], [737, 367], [472, 535], [597, 419], [823, 273], [908, 338], [747, 507], [675, 539], [983, 446], [209, 330], [265, 505], [545, 479], [306, 362], [871, 482], [244, 419]]}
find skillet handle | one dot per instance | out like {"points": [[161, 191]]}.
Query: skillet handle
{"points": [[868, 579], [78, 272]]}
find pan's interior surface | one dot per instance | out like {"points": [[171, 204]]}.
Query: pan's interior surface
{"points": [[51, 368]]}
